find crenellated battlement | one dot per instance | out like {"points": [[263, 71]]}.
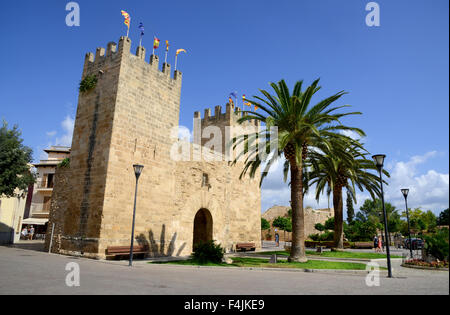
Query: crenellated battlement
{"points": [[114, 53], [229, 118]]}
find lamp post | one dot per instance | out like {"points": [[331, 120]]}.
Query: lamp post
{"points": [[379, 161], [137, 173], [405, 192]]}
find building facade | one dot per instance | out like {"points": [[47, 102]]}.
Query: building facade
{"points": [[37, 214], [126, 119], [11, 216]]}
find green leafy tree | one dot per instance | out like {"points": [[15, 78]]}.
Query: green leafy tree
{"points": [[420, 221], [319, 227], [265, 225], [14, 159], [301, 127], [372, 211], [443, 218], [329, 224], [437, 244], [283, 224]]}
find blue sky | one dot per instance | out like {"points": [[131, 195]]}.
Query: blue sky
{"points": [[396, 74]]}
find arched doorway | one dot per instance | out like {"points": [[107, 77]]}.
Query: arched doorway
{"points": [[203, 227]]}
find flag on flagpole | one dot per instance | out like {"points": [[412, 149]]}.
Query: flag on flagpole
{"points": [[167, 50], [155, 43], [127, 20], [179, 51], [176, 56], [233, 94], [230, 101], [141, 28]]}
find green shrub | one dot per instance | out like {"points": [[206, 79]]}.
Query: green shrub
{"points": [[319, 227], [327, 236], [314, 237], [206, 252], [436, 244], [64, 163], [88, 83]]}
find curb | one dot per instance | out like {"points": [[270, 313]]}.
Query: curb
{"points": [[424, 267], [334, 271]]}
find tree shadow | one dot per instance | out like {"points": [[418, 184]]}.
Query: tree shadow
{"points": [[160, 250]]}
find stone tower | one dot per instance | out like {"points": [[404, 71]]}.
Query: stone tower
{"points": [[126, 119]]}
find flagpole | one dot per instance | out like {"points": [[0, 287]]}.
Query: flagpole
{"points": [[165, 58], [176, 58]]}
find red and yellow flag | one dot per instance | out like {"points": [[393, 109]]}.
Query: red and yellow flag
{"points": [[230, 101], [155, 43], [179, 51], [244, 101], [167, 45], [127, 18]]}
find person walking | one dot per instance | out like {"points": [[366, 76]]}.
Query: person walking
{"points": [[380, 244], [277, 239], [375, 243]]}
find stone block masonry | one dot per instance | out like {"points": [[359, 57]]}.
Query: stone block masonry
{"points": [[126, 119]]}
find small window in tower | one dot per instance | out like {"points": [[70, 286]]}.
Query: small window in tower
{"points": [[205, 180]]}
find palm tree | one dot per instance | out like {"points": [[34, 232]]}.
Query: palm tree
{"points": [[300, 128], [343, 165]]}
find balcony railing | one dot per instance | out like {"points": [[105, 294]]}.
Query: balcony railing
{"points": [[44, 184]]}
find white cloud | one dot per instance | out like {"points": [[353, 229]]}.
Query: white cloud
{"points": [[429, 191], [354, 135], [67, 126], [51, 133]]}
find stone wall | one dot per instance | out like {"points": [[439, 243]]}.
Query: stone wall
{"points": [[312, 217], [126, 120]]}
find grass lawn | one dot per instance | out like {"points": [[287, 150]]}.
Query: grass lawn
{"points": [[330, 254], [258, 262]]}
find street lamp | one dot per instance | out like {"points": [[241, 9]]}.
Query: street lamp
{"points": [[379, 161], [137, 172], [405, 192]]}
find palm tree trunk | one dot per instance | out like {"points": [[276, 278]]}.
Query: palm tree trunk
{"points": [[338, 218], [298, 253]]}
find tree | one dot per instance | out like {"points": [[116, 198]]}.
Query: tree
{"points": [[350, 209], [343, 165], [443, 218], [14, 158], [265, 225], [301, 127], [283, 224], [419, 221], [372, 210]]}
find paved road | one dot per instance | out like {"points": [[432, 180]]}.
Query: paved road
{"points": [[32, 272]]}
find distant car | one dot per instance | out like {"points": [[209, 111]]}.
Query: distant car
{"points": [[417, 243]]}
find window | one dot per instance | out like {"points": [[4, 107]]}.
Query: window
{"points": [[205, 180], [50, 180]]}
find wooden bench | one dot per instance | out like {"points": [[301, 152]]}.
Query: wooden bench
{"points": [[245, 246], [122, 251]]}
